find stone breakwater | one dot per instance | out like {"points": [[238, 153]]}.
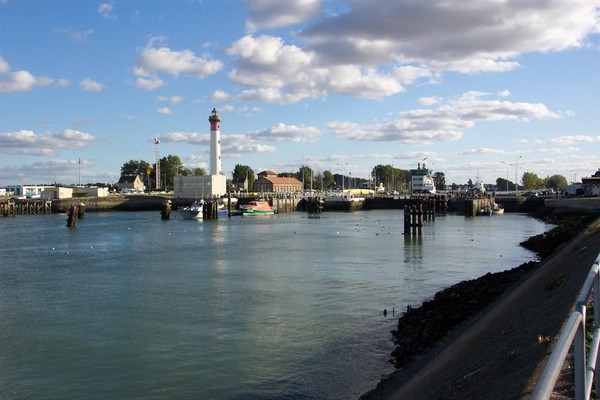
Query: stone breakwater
{"points": [[420, 328]]}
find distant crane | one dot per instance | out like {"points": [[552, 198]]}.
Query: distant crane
{"points": [[157, 156]]}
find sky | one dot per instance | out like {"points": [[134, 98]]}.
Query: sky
{"points": [[478, 89]]}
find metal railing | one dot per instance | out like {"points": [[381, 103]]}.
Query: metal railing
{"points": [[574, 333]]}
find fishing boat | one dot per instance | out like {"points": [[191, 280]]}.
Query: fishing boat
{"points": [[193, 211], [257, 207]]}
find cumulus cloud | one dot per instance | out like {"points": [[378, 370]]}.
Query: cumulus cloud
{"points": [[186, 137], [447, 122], [28, 142], [19, 81], [286, 133], [153, 61], [488, 32], [165, 111], [282, 73], [90, 86], [374, 52], [277, 13]]}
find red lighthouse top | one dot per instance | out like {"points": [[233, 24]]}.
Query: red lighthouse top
{"points": [[214, 120]]}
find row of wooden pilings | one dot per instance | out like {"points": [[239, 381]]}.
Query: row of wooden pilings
{"points": [[414, 215]]}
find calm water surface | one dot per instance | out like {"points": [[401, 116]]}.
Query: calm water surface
{"points": [[276, 307]]}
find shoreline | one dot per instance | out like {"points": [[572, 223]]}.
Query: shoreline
{"points": [[425, 332]]}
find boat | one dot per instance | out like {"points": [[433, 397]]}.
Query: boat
{"points": [[193, 211], [343, 201], [257, 207], [497, 209], [422, 180]]}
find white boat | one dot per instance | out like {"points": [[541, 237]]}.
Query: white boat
{"points": [[343, 201], [193, 211]]}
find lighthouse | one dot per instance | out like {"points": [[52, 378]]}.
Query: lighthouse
{"points": [[205, 186], [215, 142]]}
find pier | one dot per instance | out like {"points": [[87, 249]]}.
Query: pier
{"points": [[13, 207]]}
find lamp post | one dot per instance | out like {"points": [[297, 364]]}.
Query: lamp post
{"points": [[516, 168]]}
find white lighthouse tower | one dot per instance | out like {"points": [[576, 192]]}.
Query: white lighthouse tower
{"points": [[215, 142], [206, 186]]}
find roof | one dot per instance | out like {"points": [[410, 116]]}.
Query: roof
{"points": [[127, 178], [283, 180], [267, 173]]}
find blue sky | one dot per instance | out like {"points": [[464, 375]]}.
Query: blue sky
{"points": [[485, 88]]}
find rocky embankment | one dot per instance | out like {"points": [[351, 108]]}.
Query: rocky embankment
{"points": [[421, 328]]}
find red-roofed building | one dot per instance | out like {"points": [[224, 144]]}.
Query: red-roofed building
{"points": [[269, 182]]}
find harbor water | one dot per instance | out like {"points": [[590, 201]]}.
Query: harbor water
{"points": [[288, 306]]}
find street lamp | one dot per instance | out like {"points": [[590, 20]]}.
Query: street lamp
{"points": [[516, 168]]}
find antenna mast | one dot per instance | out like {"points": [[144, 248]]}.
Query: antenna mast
{"points": [[157, 165]]}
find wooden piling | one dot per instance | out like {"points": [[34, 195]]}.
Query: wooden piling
{"points": [[165, 213], [413, 219], [72, 219]]}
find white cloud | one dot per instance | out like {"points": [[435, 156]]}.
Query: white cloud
{"points": [[149, 83], [376, 51], [575, 139], [468, 36], [484, 150], [447, 122], [90, 86], [286, 133], [28, 142], [165, 111], [277, 13], [186, 137], [19, 81], [105, 10], [153, 61], [172, 99]]}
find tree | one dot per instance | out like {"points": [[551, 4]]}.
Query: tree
{"points": [[198, 171], [241, 172], [135, 167], [439, 179], [305, 174], [169, 166], [328, 181], [531, 181], [390, 177], [556, 182]]}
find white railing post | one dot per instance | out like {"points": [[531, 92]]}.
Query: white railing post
{"points": [[579, 354]]}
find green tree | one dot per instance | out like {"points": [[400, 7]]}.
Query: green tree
{"points": [[198, 171], [305, 174], [328, 181], [241, 172], [531, 181], [556, 182], [439, 179], [169, 166], [392, 178], [135, 167]]}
